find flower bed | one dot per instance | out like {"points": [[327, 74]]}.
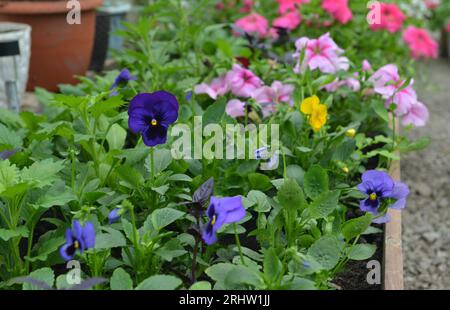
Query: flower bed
{"points": [[242, 156]]}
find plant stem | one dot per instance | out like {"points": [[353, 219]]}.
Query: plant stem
{"points": [[238, 243], [152, 163]]}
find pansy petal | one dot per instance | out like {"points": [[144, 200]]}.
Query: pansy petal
{"points": [[399, 204], [155, 135], [89, 235], [383, 219], [400, 191], [77, 231], [66, 252]]}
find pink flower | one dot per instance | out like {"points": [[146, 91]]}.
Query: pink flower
{"points": [[366, 66], [338, 9], [432, 4], [254, 24], [288, 21], [351, 82], [289, 5], [417, 115], [277, 93], [247, 8], [321, 53], [420, 43], [242, 82], [235, 108], [391, 18], [387, 83], [448, 27], [218, 87]]}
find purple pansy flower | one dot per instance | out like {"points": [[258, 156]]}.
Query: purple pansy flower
{"points": [[380, 188], [222, 211], [123, 78], [78, 238], [113, 216], [151, 115]]}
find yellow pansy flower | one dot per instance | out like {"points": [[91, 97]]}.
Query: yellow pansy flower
{"points": [[316, 111]]}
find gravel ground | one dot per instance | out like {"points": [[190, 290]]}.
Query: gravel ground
{"points": [[426, 221]]}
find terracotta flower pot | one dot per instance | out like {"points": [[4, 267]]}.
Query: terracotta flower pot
{"points": [[59, 50]]}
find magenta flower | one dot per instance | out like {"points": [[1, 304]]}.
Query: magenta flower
{"points": [[420, 43], [222, 211], [285, 6], [322, 53], [217, 87], [254, 24], [391, 18], [366, 66], [235, 108], [151, 115], [338, 9], [382, 193], [242, 82], [288, 21]]}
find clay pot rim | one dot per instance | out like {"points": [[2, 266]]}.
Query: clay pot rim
{"points": [[43, 7]]}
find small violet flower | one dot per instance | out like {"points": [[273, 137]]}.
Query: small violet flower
{"points": [[123, 78], [78, 238], [151, 114], [382, 193], [222, 211], [113, 216]]}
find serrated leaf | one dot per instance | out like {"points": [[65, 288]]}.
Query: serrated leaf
{"points": [[42, 173], [290, 195], [324, 205], [316, 181], [166, 216], [355, 227], [9, 138], [8, 175]]}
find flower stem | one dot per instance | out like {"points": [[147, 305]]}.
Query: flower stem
{"points": [[238, 242], [152, 162]]}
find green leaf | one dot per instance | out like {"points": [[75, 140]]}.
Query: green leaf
{"points": [[9, 138], [8, 175], [355, 227], [159, 282], [324, 204], [296, 172], [162, 158], [200, 286], [214, 112], [259, 181], [116, 137], [261, 201], [273, 268], [362, 251], [131, 177], [218, 273], [111, 239], [106, 106], [57, 195], [121, 280], [316, 181], [42, 173], [166, 216], [326, 251], [45, 275], [290, 195], [381, 110], [7, 234]]}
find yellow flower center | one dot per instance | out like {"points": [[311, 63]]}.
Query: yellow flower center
{"points": [[76, 245], [213, 221], [154, 122], [373, 196]]}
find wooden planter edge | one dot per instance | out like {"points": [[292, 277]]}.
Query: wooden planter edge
{"points": [[392, 247]]}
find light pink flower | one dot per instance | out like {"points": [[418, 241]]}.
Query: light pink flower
{"points": [[277, 93], [417, 115], [366, 66], [432, 4], [235, 108], [289, 5], [391, 18], [288, 21], [254, 24], [420, 43], [387, 83], [448, 27], [351, 82], [321, 53], [242, 82], [217, 87], [338, 9]]}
